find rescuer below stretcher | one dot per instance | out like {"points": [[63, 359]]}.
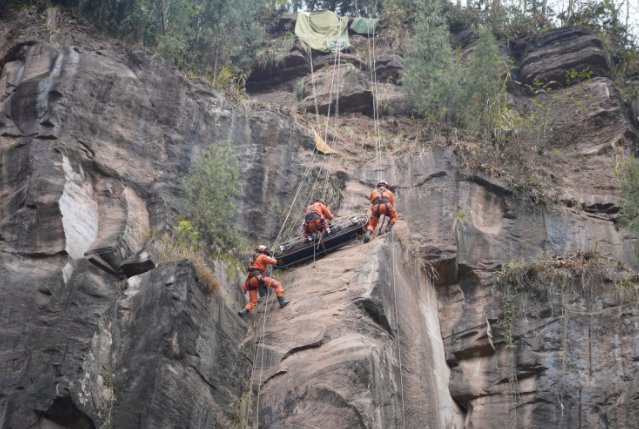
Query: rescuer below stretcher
{"points": [[256, 279], [382, 203]]}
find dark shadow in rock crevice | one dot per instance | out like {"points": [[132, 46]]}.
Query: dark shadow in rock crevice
{"points": [[64, 412]]}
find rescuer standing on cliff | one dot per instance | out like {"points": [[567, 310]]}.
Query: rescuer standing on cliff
{"points": [[382, 203], [256, 267], [316, 219]]}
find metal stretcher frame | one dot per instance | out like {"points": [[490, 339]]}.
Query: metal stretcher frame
{"points": [[296, 251]]}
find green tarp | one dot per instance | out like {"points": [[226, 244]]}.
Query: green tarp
{"points": [[365, 26], [323, 30]]}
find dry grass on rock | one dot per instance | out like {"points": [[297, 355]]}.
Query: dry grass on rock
{"points": [[170, 250], [585, 274]]}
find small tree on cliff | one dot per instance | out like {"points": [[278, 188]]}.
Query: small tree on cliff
{"points": [[432, 72], [211, 189], [484, 89]]}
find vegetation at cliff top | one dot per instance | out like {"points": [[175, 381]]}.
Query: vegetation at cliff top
{"points": [[205, 35]]}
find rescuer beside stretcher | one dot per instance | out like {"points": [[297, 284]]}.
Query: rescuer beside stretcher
{"points": [[318, 237]]}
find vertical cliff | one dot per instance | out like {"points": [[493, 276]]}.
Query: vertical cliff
{"points": [[413, 329]]}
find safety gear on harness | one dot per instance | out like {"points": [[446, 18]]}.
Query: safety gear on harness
{"points": [[283, 301], [316, 218], [382, 203], [256, 279]]}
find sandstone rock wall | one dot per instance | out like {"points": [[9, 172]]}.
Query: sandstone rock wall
{"points": [[405, 331], [94, 142]]}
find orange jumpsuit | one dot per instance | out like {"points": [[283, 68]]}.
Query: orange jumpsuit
{"points": [[316, 216], [256, 268], [382, 203]]}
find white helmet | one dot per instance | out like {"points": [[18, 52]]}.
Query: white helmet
{"points": [[262, 249], [382, 183]]}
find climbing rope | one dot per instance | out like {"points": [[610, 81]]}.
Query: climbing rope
{"points": [[262, 320], [397, 333], [259, 382], [380, 168]]}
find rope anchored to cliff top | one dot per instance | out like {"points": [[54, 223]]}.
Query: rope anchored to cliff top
{"points": [[262, 320]]}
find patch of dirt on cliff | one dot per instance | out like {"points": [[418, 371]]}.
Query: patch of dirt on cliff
{"points": [[356, 135]]}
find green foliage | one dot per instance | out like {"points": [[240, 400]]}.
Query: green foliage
{"points": [[629, 214], [470, 96], [196, 35], [346, 7], [211, 189], [432, 73], [107, 382], [242, 412], [509, 313], [186, 236], [298, 90], [485, 88], [231, 81], [272, 55], [574, 75]]}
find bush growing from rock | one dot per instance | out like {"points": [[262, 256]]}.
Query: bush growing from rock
{"points": [[485, 88], [432, 74], [629, 215], [210, 191]]}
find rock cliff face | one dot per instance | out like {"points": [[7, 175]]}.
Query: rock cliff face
{"points": [[405, 331]]}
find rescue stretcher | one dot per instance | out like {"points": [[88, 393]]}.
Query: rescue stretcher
{"points": [[298, 250]]}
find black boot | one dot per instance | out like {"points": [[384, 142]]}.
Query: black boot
{"points": [[389, 227], [283, 301], [243, 312], [367, 236]]}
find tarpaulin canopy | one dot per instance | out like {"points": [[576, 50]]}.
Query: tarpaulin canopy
{"points": [[365, 26], [323, 30]]}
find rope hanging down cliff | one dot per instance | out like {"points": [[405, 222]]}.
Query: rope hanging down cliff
{"points": [[380, 167], [262, 320]]}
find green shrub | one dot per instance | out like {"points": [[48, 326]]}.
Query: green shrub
{"points": [[484, 97], [197, 36], [432, 72], [272, 55], [211, 189], [629, 214]]}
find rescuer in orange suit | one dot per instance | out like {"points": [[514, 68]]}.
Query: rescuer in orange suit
{"points": [[256, 279], [316, 219], [382, 203]]}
